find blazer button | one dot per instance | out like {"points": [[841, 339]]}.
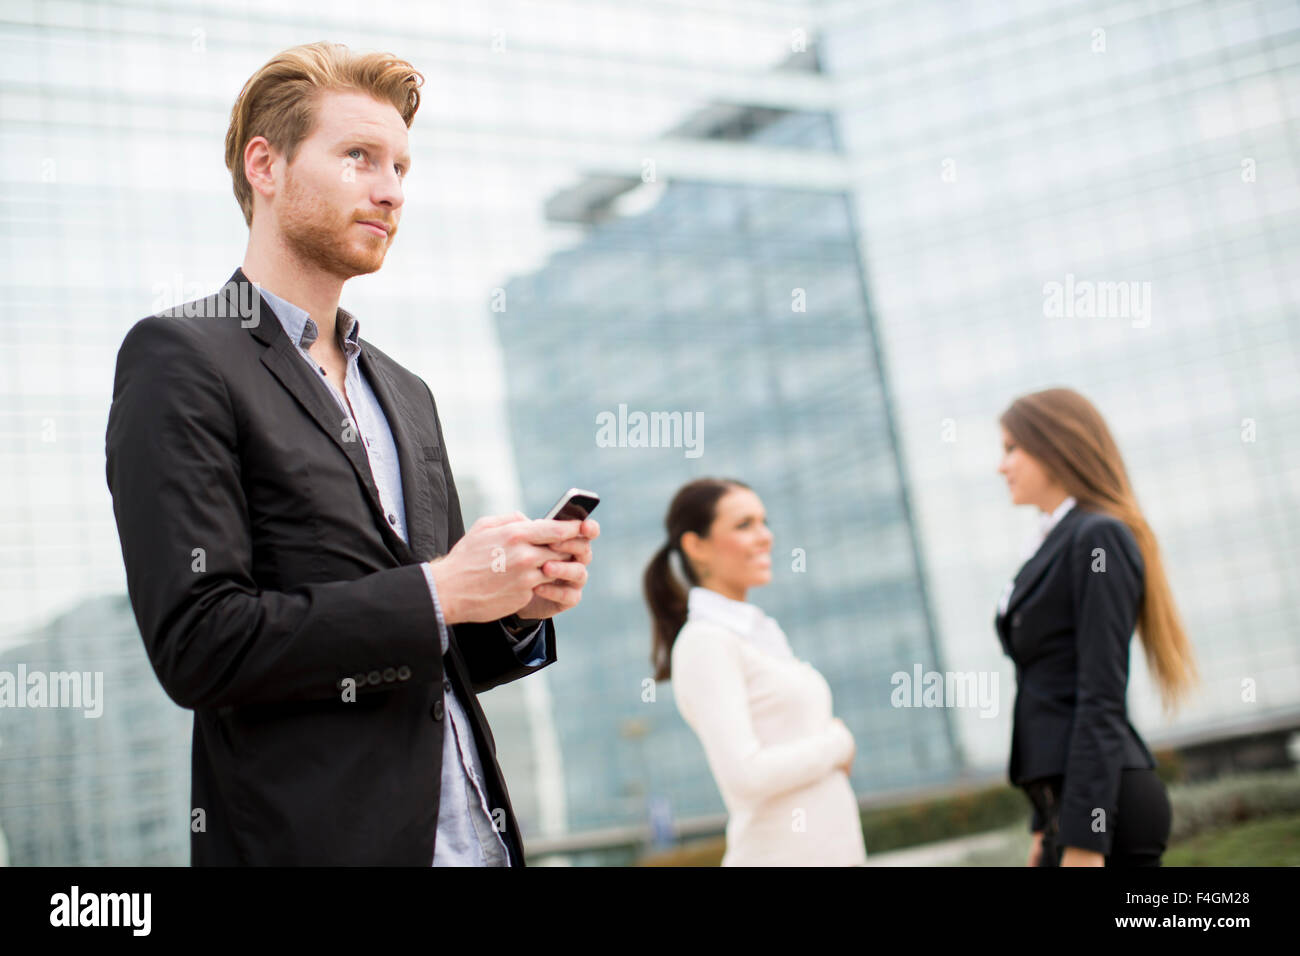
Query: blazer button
{"points": [[403, 673], [1015, 620], [390, 675], [373, 677], [436, 710]]}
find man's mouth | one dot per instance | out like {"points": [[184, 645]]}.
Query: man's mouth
{"points": [[376, 228]]}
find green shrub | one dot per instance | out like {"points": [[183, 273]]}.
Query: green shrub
{"points": [[890, 828], [1199, 807], [1273, 841]]}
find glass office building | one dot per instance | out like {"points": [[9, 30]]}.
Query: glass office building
{"points": [[738, 313], [842, 270], [1005, 152], [117, 203], [97, 774]]}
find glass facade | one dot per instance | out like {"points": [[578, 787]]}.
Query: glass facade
{"points": [[663, 207], [738, 310], [102, 779], [1005, 150], [117, 203]]}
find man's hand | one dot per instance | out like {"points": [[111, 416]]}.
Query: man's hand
{"points": [[493, 569], [564, 590]]}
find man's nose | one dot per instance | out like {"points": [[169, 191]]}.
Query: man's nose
{"points": [[388, 192]]}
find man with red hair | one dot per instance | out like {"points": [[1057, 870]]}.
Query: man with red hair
{"points": [[294, 548]]}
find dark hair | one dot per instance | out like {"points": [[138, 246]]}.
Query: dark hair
{"points": [[693, 508], [1067, 435]]}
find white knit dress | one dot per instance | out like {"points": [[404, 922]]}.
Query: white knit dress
{"points": [[764, 719]]}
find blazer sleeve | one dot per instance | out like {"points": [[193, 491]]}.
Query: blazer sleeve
{"points": [[1107, 581], [487, 647], [214, 637], [709, 687]]}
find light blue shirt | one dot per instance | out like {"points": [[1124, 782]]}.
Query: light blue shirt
{"points": [[466, 834]]}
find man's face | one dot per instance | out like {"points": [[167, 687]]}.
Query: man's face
{"points": [[344, 187]]}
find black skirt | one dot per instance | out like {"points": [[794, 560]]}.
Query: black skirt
{"points": [[1142, 819]]}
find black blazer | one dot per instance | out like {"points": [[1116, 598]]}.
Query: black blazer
{"points": [[262, 572], [1068, 627]]}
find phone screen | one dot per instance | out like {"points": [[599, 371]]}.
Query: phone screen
{"points": [[574, 504]]}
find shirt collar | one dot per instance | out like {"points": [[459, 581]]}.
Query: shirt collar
{"points": [[708, 605], [1048, 522], [739, 617], [302, 329]]}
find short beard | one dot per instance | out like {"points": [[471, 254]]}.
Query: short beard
{"points": [[318, 236]]}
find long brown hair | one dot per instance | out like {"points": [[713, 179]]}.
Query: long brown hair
{"points": [[1066, 433], [693, 508]]}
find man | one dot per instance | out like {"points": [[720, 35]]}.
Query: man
{"points": [[281, 486]]}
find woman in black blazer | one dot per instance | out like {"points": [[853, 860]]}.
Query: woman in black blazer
{"points": [[1066, 620]]}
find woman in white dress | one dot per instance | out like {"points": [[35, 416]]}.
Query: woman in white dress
{"points": [[780, 758]]}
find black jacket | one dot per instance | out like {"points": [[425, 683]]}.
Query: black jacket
{"points": [[1068, 627], [262, 573]]}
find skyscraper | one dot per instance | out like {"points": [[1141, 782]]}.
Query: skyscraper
{"points": [[1012, 163], [732, 320], [106, 782]]}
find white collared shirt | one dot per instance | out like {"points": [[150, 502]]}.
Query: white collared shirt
{"points": [[1046, 522], [766, 722], [747, 620]]}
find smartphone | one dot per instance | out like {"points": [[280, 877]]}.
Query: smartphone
{"points": [[574, 504]]}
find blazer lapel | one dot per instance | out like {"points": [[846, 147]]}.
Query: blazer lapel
{"points": [[284, 362], [1037, 565], [420, 523]]}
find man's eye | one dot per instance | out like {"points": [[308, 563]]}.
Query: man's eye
{"points": [[361, 151]]}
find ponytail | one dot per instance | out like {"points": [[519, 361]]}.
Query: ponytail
{"points": [[667, 601]]}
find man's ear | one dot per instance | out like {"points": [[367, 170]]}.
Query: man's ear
{"points": [[259, 166]]}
